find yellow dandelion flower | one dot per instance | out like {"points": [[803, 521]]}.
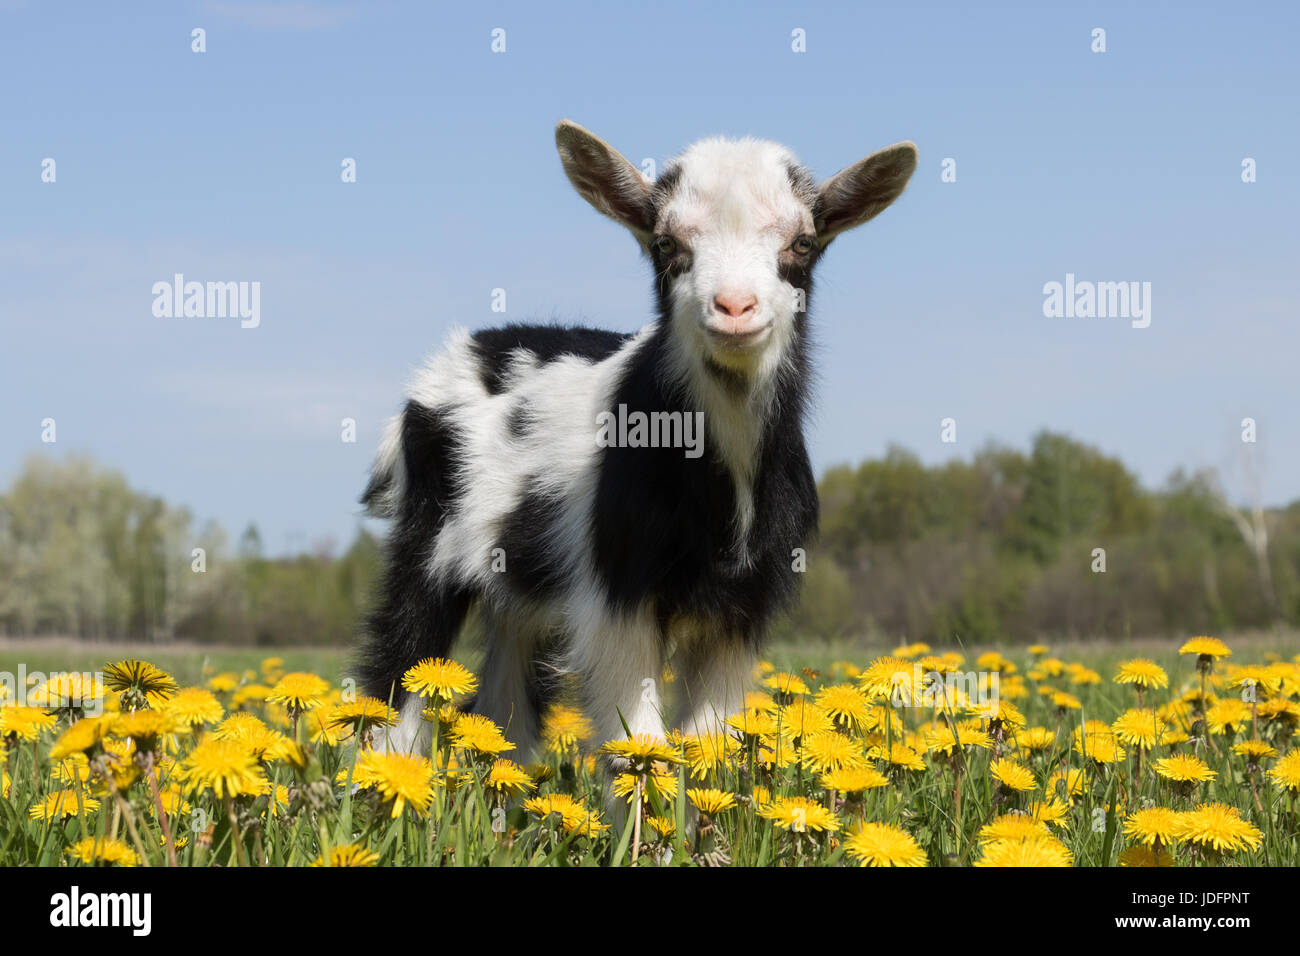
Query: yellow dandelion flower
{"points": [[299, 691], [60, 805], [1013, 826], [194, 706], [507, 777], [1218, 827], [800, 814], [1184, 768], [479, 734], [1141, 728], [711, 801], [1034, 852], [1153, 825], [1146, 856], [351, 854], [1142, 673], [1051, 812], [574, 817], [845, 705], [404, 779], [1285, 774], [83, 736], [1205, 648], [641, 750], [140, 682], [1012, 775], [439, 678], [880, 844], [25, 723], [1254, 750], [786, 685], [1034, 739], [852, 780], [1228, 716], [97, 852], [226, 767]]}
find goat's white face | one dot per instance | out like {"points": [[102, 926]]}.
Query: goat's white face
{"points": [[733, 228], [728, 222]]}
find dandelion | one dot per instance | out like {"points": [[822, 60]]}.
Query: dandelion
{"points": [[93, 851], [60, 805], [711, 801], [139, 683], [641, 750], [708, 752], [363, 715], [786, 686], [1219, 828], [1033, 852], [82, 737], [1206, 649], [439, 678], [1184, 768], [194, 706], [299, 691], [1012, 775], [1143, 674], [1034, 739], [886, 676], [403, 779], [831, 750], [1228, 717], [1153, 825], [800, 814], [1142, 855], [351, 854], [845, 705], [226, 767], [1139, 728], [854, 780], [566, 729], [880, 844], [1285, 774], [479, 735], [25, 723], [1051, 812], [509, 779], [1013, 826], [573, 816]]}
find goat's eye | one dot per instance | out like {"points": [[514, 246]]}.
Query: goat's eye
{"points": [[665, 245], [803, 245]]}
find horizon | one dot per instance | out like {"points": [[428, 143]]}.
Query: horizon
{"points": [[1122, 166]]}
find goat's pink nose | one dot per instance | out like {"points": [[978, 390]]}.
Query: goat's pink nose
{"points": [[735, 304]]}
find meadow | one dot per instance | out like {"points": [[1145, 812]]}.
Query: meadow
{"points": [[1150, 753]]}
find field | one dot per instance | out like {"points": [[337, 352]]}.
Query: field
{"points": [[1083, 755]]}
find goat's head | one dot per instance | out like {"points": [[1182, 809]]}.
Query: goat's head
{"points": [[734, 228]]}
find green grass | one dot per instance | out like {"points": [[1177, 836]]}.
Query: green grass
{"points": [[942, 807]]}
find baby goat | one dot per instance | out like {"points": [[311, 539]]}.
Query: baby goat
{"points": [[533, 472]]}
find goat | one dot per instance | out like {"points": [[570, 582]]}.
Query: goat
{"points": [[607, 556]]}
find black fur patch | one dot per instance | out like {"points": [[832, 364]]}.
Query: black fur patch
{"points": [[546, 343], [663, 528], [533, 569], [415, 618]]}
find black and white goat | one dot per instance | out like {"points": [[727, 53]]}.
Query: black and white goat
{"points": [[606, 559]]}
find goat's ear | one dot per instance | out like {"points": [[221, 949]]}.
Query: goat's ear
{"points": [[606, 178], [863, 190]]}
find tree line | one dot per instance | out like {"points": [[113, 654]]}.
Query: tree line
{"points": [[1061, 541]]}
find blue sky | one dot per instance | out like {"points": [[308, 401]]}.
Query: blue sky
{"points": [[1115, 166]]}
